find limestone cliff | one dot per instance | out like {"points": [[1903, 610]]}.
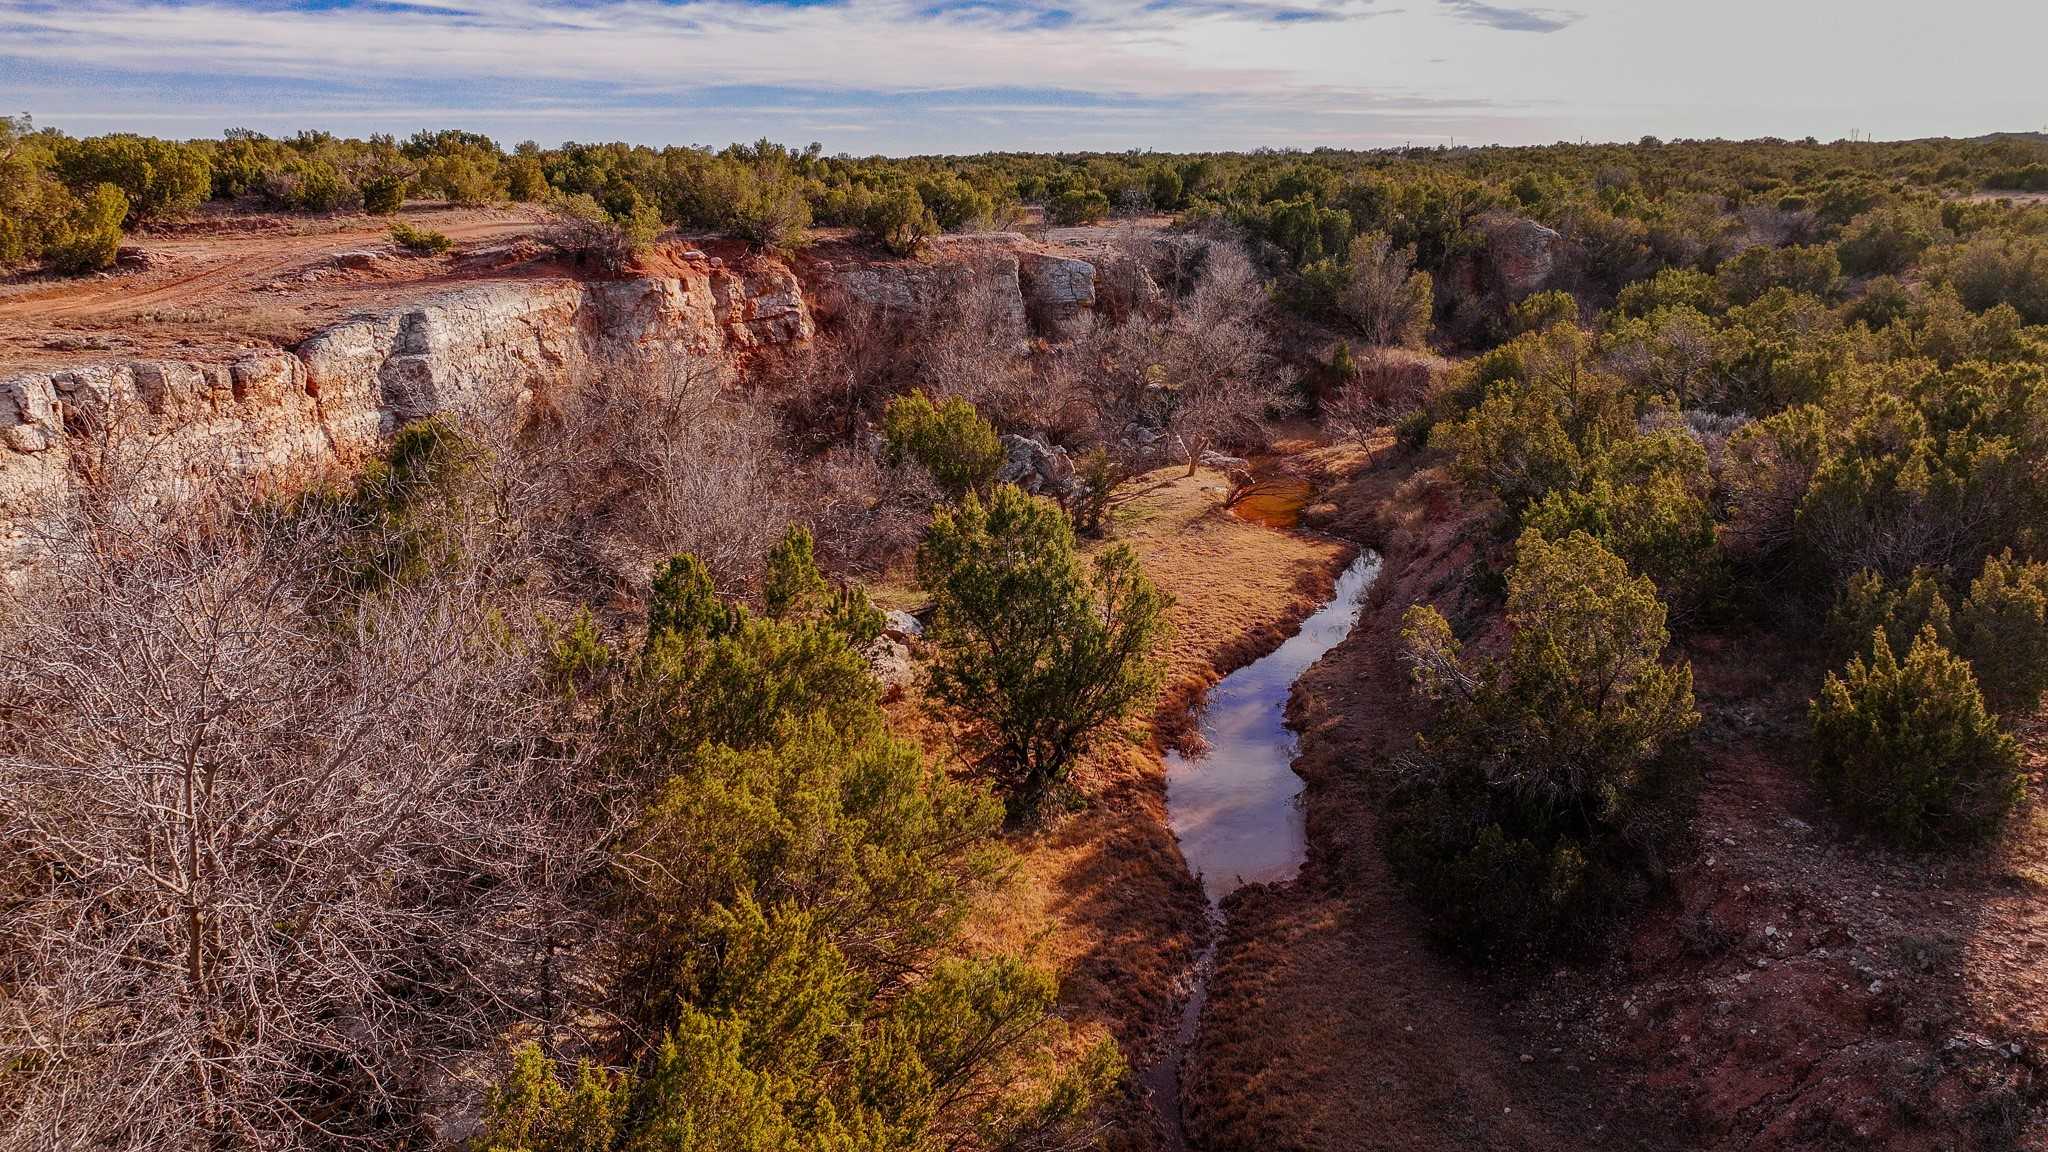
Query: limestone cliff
{"points": [[275, 416]]}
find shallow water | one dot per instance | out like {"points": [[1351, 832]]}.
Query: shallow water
{"points": [[1275, 503], [1234, 807]]}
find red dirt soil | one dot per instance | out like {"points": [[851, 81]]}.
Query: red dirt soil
{"points": [[1796, 990], [226, 282]]}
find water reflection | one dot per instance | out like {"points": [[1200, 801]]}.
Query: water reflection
{"points": [[1234, 806]]}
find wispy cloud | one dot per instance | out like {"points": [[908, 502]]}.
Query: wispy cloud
{"points": [[1510, 19], [916, 74]]}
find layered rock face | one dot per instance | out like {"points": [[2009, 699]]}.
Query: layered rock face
{"points": [[167, 427]]}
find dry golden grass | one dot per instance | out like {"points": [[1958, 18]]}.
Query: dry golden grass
{"points": [[1102, 895]]}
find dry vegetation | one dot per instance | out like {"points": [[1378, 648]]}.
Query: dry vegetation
{"points": [[1676, 789]]}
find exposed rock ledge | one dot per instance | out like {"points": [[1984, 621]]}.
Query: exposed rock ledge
{"points": [[273, 416]]}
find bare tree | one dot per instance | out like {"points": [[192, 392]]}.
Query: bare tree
{"points": [[1217, 374], [637, 462], [841, 378], [1388, 300], [266, 869], [1385, 386], [977, 350]]}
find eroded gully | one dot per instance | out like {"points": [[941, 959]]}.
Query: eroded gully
{"points": [[1235, 807]]}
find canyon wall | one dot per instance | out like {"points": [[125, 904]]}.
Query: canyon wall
{"points": [[274, 417]]}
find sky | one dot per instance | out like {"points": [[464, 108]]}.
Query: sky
{"points": [[920, 76]]}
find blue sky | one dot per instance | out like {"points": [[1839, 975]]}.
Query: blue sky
{"points": [[899, 76]]}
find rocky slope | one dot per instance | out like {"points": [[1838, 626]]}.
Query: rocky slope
{"points": [[273, 416]]}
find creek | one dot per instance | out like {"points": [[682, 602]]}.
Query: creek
{"points": [[1235, 806]]}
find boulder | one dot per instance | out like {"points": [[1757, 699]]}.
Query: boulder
{"points": [[1036, 467], [1520, 254], [892, 664], [1059, 291], [902, 625], [1223, 462], [357, 260]]}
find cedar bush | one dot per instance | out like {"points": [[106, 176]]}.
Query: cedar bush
{"points": [[2002, 627], [587, 232], [791, 897], [420, 241], [1540, 799], [1908, 750], [1646, 500], [384, 195], [1547, 406], [1038, 650], [161, 179], [793, 589], [88, 236], [1900, 611], [951, 441]]}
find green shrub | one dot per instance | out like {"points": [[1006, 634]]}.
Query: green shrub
{"points": [[2002, 627], [88, 237], [1994, 270], [384, 195], [771, 212], [898, 219], [303, 184], [1646, 500], [1542, 310], [1786, 348], [161, 179], [794, 590], [1908, 750], [1885, 301], [1039, 651], [577, 660], [467, 178], [420, 241], [1929, 469], [1099, 473], [1078, 206], [587, 232], [1163, 187], [954, 204], [1539, 800], [960, 449], [1869, 605], [829, 818], [792, 897], [526, 181], [531, 1110], [408, 510], [1546, 405], [791, 1057], [1670, 288], [1675, 352], [712, 672], [1885, 241], [1810, 271]]}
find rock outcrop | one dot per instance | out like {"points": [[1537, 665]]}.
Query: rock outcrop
{"points": [[1059, 291], [1520, 254], [1037, 467], [167, 426], [1000, 278]]}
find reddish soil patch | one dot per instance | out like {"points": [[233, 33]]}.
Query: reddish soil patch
{"points": [[1796, 990], [1104, 896], [227, 282]]}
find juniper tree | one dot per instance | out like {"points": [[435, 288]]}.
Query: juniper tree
{"points": [[1039, 649]]}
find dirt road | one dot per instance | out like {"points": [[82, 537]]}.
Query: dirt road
{"points": [[227, 282]]}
